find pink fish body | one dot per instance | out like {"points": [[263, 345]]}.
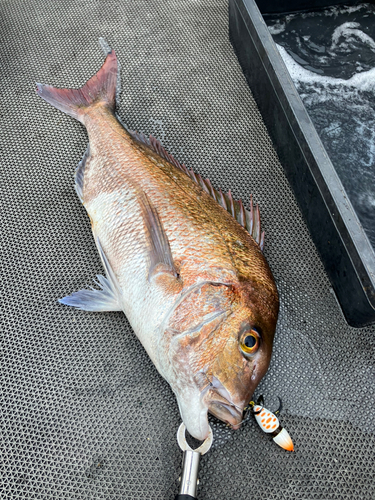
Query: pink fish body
{"points": [[193, 283]]}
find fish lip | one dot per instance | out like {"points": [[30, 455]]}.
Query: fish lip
{"points": [[219, 402], [223, 409], [226, 412]]}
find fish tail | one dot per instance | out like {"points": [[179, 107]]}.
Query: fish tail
{"points": [[99, 90]]}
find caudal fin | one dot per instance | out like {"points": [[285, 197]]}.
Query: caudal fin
{"points": [[100, 89]]}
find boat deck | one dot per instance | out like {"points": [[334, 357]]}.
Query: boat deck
{"points": [[84, 412]]}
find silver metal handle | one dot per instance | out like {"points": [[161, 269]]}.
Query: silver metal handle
{"points": [[190, 462], [189, 477]]}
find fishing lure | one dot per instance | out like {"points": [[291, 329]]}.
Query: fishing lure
{"points": [[270, 424]]}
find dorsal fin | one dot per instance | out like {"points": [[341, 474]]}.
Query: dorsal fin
{"points": [[249, 219]]}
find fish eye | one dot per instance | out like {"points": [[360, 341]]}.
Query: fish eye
{"points": [[249, 342]]}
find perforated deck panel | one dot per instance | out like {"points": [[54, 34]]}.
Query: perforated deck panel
{"points": [[84, 412]]}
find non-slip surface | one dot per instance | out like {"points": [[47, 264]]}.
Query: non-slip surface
{"points": [[84, 414]]}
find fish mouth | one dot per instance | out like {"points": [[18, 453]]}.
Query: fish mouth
{"points": [[226, 411]]}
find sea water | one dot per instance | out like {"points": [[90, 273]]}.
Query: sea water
{"points": [[330, 55]]}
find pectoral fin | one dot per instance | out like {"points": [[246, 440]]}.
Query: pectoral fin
{"points": [[162, 270]]}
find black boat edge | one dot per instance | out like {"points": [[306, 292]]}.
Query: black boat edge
{"points": [[347, 255], [288, 6]]}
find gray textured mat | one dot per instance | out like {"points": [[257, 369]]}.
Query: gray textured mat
{"points": [[84, 412]]}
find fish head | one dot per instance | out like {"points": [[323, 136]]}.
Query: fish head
{"points": [[220, 348]]}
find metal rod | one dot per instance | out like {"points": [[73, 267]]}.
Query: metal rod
{"points": [[189, 477]]}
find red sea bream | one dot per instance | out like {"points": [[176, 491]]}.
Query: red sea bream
{"points": [[192, 281]]}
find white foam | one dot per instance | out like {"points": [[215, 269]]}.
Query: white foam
{"points": [[364, 81], [335, 11], [351, 9], [371, 201], [277, 28], [343, 110], [349, 31]]}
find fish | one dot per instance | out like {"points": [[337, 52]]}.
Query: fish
{"points": [[182, 260]]}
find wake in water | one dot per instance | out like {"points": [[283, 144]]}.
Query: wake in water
{"points": [[330, 55]]}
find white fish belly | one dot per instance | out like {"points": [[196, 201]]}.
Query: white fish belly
{"points": [[118, 224]]}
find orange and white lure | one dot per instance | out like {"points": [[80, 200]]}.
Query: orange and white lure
{"points": [[270, 424]]}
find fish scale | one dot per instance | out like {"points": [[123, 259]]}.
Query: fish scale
{"points": [[185, 221], [192, 281]]}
